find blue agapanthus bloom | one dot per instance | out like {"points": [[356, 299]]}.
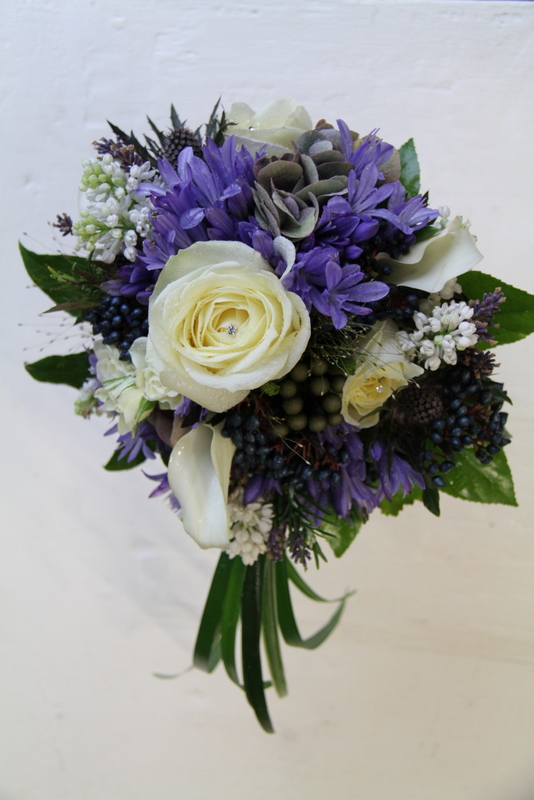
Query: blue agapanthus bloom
{"points": [[205, 199]]}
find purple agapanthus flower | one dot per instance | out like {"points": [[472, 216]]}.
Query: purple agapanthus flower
{"points": [[204, 200], [352, 488], [394, 472], [133, 443], [163, 489], [373, 150], [335, 291]]}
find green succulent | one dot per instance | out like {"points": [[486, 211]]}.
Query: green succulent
{"points": [[291, 190]]}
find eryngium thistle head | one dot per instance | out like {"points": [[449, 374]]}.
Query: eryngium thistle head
{"points": [[175, 141], [418, 404]]}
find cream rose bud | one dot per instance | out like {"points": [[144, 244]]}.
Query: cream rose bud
{"points": [[276, 125], [382, 368], [221, 324]]}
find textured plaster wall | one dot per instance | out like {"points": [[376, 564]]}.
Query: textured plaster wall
{"points": [[426, 690]]}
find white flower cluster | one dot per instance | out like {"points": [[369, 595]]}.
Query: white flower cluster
{"points": [[250, 526], [438, 337], [129, 389], [86, 402], [448, 291], [112, 217]]}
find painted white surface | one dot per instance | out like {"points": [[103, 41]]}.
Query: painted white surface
{"points": [[426, 690]]}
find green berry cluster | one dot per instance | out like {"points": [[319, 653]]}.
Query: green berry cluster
{"points": [[310, 397]]}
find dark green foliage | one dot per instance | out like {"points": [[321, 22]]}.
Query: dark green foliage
{"points": [[73, 283], [515, 319], [481, 483], [71, 370], [410, 173]]}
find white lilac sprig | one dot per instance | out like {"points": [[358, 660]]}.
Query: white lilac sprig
{"points": [[439, 336], [114, 216], [447, 292], [250, 528]]}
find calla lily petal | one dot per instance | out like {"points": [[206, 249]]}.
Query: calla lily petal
{"points": [[430, 264], [199, 474]]}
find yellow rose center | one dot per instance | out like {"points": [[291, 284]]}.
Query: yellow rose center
{"points": [[372, 393], [216, 327]]}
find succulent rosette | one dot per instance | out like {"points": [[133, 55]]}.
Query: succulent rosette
{"points": [[281, 317]]}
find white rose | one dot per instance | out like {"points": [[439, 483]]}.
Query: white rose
{"points": [[276, 125], [431, 264], [221, 324], [382, 369]]}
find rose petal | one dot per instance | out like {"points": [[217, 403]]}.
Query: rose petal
{"points": [[276, 125], [202, 293]]}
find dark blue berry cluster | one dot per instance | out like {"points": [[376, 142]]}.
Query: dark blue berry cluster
{"points": [[386, 240], [472, 417], [121, 321], [293, 460], [399, 305]]}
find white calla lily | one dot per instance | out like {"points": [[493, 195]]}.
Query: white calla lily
{"points": [[199, 475], [431, 264]]}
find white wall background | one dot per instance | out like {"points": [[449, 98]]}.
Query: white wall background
{"points": [[426, 690]]}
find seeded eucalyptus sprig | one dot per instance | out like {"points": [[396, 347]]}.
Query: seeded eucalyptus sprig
{"points": [[337, 346]]}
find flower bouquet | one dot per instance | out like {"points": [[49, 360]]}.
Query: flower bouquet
{"points": [[279, 316]]}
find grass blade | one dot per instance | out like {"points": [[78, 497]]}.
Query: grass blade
{"points": [[269, 622], [250, 643], [207, 651], [286, 617], [230, 617]]}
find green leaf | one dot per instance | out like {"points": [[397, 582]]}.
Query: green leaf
{"points": [[156, 130], [410, 174], [230, 617], [207, 651], [131, 139], [175, 119], [71, 370], [425, 233], [341, 532], [490, 483], [348, 365], [53, 275], [515, 319], [269, 622], [250, 644], [393, 508], [270, 388], [286, 617], [431, 500], [215, 127], [303, 587], [114, 465]]}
